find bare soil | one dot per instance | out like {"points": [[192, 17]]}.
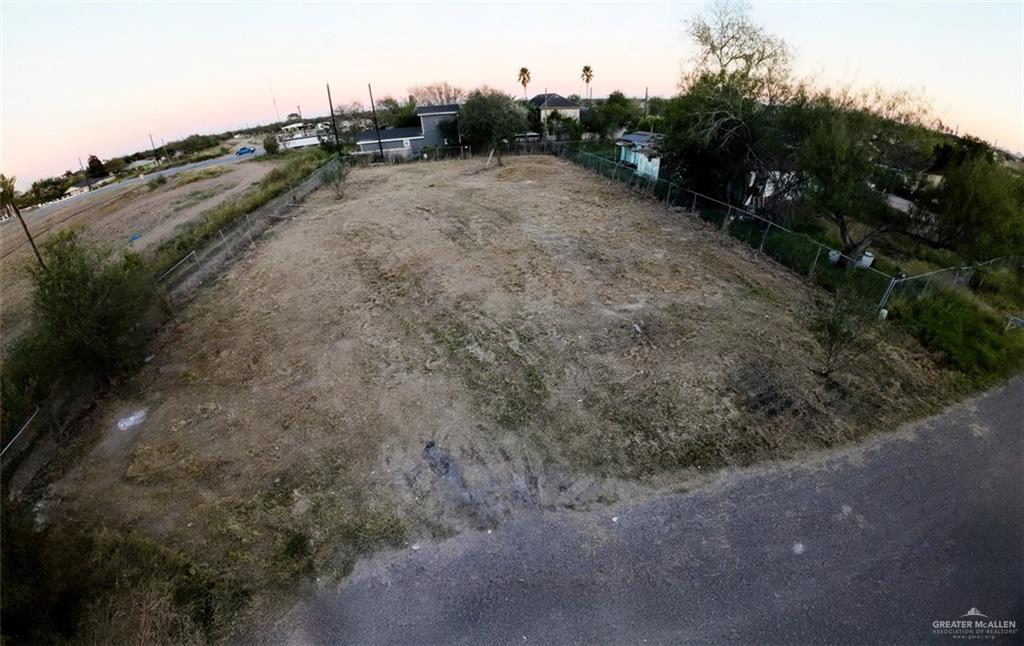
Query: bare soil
{"points": [[114, 217], [448, 345]]}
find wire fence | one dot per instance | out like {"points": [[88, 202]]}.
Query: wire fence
{"points": [[798, 251]]}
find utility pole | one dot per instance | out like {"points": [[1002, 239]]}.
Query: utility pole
{"points": [[645, 103], [274, 99], [88, 180], [376, 128], [152, 147], [9, 184], [334, 124]]}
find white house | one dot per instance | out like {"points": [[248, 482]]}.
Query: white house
{"points": [[551, 102]]}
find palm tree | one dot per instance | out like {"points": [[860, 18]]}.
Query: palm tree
{"points": [[8, 205], [524, 79], [587, 76]]}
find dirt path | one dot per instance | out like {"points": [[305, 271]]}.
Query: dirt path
{"points": [[137, 218], [448, 346]]}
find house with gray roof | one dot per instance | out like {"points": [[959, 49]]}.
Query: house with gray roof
{"points": [[406, 142], [550, 102]]}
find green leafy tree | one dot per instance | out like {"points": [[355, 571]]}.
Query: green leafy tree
{"points": [[524, 80], [89, 306], [271, 145], [980, 209], [489, 117], [398, 114], [94, 168]]}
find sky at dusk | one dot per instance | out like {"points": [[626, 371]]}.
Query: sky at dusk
{"points": [[80, 79]]}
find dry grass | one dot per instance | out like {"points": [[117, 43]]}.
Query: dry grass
{"points": [[556, 340]]}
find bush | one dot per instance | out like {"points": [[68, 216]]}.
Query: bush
{"points": [[156, 182], [971, 339], [334, 176], [88, 315], [270, 145], [846, 328]]}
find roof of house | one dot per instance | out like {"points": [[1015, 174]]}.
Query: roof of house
{"points": [[388, 134], [437, 109], [552, 100], [638, 137], [141, 163]]}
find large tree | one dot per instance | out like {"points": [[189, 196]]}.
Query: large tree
{"points": [[398, 114], [437, 93], [489, 117], [94, 167], [734, 51], [979, 209]]}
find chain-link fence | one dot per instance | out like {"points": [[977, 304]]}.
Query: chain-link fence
{"points": [[797, 251]]}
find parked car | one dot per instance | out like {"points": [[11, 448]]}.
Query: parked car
{"points": [[245, 150]]}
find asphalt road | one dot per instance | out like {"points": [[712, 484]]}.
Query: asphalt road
{"points": [[867, 546], [230, 158]]}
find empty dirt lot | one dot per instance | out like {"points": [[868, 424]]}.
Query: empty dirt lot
{"points": [[447, 346], [115, 216]]}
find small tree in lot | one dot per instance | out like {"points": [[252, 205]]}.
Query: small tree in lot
{"points": [[270, 145], [846, 329], [489, 117]]}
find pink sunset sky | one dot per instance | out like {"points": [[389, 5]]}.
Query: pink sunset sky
{"points": [[81, 79]]}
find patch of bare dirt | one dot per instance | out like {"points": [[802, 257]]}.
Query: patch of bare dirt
{"points": [[445, 347]]}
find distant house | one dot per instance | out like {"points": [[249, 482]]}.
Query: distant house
{"points": [[550, 102], [396, 142], [638, 150], [432, 117], [140, 164], [405, 142]]}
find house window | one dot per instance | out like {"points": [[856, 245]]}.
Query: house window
{"points": [[405, 142]]}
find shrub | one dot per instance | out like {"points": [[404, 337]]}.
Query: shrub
{"points": [[156, 182], [971, 338], [270, 145], [846, 328], [334, 176], [88, 315]]}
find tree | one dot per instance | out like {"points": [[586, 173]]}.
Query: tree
{"points": [[398, 114], [488, 117], [437, 93], [979, 209], [524, 80], [846, 329], [838, 160], [94, 168], [9, 205], [271, 145], [116, 165], [587, 75], [733, 51]]}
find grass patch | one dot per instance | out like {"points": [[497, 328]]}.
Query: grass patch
{"points": [[971, 338], [199, 175], [63, 584], [499, 370], [296, 168], [195, 197]]}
